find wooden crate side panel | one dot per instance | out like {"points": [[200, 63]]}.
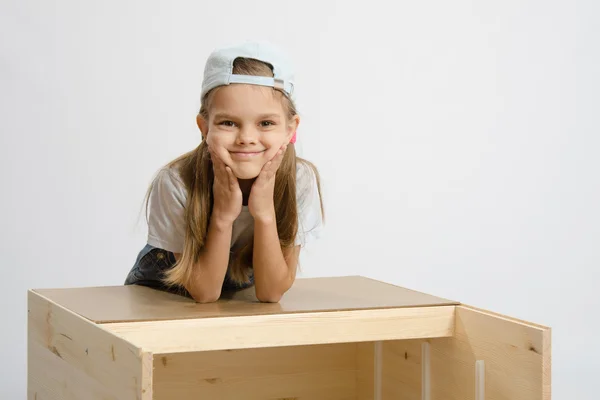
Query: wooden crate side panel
{"points": [[71, 358], [516, 357], [317, 372], [401, 372], [365, 370]]}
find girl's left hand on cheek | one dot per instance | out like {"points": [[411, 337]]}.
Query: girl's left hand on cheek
{"points": [[260, 203]]}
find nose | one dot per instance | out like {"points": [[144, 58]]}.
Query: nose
{"points": [[246, 135]]}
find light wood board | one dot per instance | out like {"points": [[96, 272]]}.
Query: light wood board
{"points": [[70, 358], [136, 303], [320, 372], [516, 356], [204, 334]]}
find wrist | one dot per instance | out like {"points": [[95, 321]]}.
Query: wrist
{"points": [[220, 222], [265, 218]]}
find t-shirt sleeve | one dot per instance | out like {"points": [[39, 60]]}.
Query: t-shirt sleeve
{"points": [[166, 212], [310, 218]]}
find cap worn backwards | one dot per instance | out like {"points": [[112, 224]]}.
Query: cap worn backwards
{"points": [[219, 67]]}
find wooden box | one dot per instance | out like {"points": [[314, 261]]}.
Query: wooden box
{"points": [[337, 338]]}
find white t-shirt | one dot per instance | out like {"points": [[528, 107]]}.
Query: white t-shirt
{"points": [[168, 198]]}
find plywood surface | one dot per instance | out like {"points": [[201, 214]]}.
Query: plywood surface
{"points": [[71, 358], [135, 303], [517, 357], [320, 372]]}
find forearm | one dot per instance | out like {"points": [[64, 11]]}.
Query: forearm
{"points": [[272, 277], [209, 272]]}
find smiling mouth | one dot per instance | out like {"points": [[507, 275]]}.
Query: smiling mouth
{"points": [[246, 154]]}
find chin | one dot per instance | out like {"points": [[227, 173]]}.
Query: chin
{"points": [[246, 172]]}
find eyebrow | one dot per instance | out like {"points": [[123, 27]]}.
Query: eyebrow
{"points": [[222, 115], [269, 116]]}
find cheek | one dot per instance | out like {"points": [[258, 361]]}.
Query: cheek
{"points": [[270, 154], [218, 146], [274, 145], [212, 140], [215, 141]]}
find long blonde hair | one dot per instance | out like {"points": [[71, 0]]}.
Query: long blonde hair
{"points": [[196, 171]]}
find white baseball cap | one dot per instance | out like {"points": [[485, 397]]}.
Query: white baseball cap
{"points": [[218, 70]]}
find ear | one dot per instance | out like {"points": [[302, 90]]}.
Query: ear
{"points": [[202, 125], [293, 127]]}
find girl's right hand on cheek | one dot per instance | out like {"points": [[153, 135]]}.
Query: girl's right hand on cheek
{"points": [[226, 192]]}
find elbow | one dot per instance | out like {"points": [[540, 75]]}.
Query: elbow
{"points": [[269, 299], [271, 293], [204, 297], [272, 297], [202, 293]]}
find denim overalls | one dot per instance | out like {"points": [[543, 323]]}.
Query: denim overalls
{"points": [[152, 262]]}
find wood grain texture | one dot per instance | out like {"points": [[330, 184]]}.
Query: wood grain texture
{"points": [[402, 369], [70, 358], [307, 295], [286, 329], [365, 374], [320, 372], [517, 358]]}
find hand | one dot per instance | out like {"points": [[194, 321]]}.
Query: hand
{"points": [[260, 202], [226, 192]]}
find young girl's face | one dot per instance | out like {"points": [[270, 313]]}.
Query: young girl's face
{"points": [[246, 127]]}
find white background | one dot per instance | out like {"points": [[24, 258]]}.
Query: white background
{"points": [[458, 144]]}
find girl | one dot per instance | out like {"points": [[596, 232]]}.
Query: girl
{"points": [[234, 212]]}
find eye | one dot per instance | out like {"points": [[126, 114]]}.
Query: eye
{"points": [[227, 123], [267, 123]]}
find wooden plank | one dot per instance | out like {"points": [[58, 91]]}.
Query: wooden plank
{"points": [[516, 354], [52, 378], [402, 369], [71, 358], [365, 374], [136, 303], [319, 372], [286, 329]]}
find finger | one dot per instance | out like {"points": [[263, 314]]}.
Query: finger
{"points": [[265, 173], [213, 156], [218, 165], [232, 178], [269, 169], [280, 155], [273, 165]]}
